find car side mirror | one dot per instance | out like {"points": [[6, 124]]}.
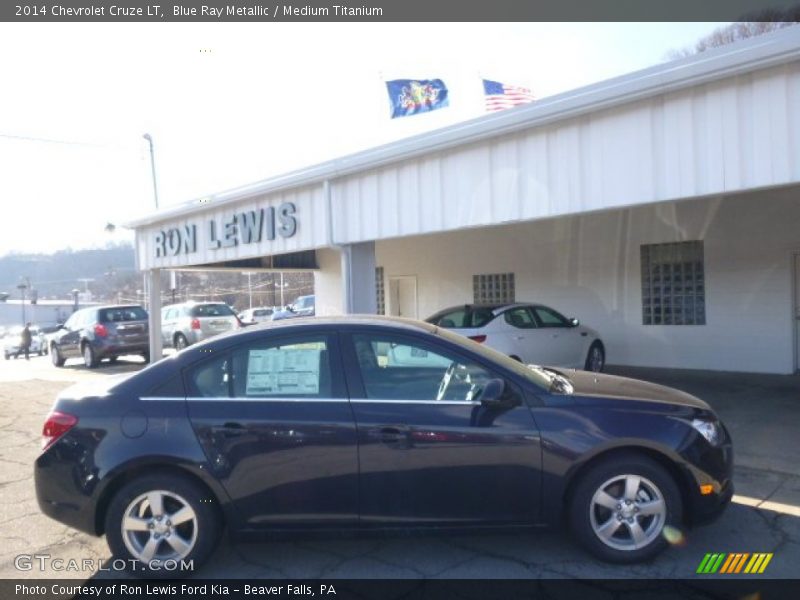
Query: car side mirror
{"points": [[574, 322], [497, 394]]}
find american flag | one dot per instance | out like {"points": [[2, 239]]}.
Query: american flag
{"points": [[500, 96]]}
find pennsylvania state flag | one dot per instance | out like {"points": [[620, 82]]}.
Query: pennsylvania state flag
{"points": [[413, 96]]}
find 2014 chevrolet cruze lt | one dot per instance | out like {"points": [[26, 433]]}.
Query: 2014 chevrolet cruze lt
{"points": [[369, 422]]}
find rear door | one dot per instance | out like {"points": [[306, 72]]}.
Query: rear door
{"points": [[275, 423], [429, 452]]}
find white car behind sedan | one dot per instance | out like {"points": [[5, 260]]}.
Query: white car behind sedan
{"points": [[530, 333]]}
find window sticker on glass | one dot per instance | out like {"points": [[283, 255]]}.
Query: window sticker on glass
{"points": [[281, 371]]}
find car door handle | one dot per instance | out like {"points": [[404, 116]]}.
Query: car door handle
{"points": [[393, 434], [232, 429]]}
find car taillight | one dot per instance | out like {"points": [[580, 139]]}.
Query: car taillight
{"points": [[478, 338], [195, 323], [100, 330], [56, 425]]}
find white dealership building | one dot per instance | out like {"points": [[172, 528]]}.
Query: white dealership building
{"points": [[661, 208]]}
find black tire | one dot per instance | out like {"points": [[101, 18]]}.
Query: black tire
{"points": [[89, 356], [515, 357], [180, 342], [7, 356], [596, 353], [112, 359], [203, 533], [146, 357], [55, 356], [585, 516]]}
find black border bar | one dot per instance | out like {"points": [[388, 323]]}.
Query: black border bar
{"points": [[721, 588], [336, 11]]}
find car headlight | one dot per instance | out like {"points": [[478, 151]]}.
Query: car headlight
{"points": [[709, 429]]}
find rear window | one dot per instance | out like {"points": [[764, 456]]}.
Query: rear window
{"points": [[467, 317], [125, 313], [212, 310]]}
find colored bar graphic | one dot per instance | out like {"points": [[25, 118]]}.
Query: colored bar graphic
{"points": [[725, 563], [767, 558], [741, 562]]}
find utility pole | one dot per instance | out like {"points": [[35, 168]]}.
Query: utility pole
{"points": [[249, 286]]}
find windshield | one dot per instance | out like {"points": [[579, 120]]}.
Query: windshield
{"points": [[537, 375], [122, 313]]}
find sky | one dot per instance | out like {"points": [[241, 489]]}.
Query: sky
{"points": [[228, 104]]}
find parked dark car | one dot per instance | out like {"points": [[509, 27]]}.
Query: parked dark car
{"points": [[315, 424], [101, 332]]}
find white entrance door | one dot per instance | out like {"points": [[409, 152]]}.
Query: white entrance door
{"points": [[403, 296], [797, 311]]}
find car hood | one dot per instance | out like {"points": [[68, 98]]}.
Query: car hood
{"points": [[590, 385]]}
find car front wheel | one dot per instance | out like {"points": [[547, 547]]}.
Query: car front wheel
{"points": [[622, 509], [160, 518]]}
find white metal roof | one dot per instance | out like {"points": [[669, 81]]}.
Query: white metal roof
{"points": [[765, 51]]}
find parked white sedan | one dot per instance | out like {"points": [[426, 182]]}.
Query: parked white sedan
{"points": [[530, 333]]}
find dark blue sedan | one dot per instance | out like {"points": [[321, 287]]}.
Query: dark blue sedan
{"points": [[365, 423]]}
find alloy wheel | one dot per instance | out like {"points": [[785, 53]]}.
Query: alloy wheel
{"points": [[159, 525], [627, 512]]}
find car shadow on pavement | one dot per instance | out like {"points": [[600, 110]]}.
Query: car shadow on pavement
{"points": [[551, 554]]}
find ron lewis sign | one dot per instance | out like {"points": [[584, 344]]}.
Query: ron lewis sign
{"points": [[245, 227]]}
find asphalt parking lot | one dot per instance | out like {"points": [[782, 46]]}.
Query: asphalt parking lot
{"points": [[762, 412]]}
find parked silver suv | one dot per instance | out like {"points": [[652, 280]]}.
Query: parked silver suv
{"points": [[191, 322]]}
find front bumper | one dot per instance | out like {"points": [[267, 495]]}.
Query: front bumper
{"points": [[707, 465]]}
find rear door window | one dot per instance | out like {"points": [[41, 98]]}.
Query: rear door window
{"points": [[292, 367], [520, 317], [212, 310]]}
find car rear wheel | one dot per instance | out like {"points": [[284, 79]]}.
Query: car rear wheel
{"points": [[180, 342], [55, 356], [162, 517], [89, 357], [596, 359], [621, 509]]}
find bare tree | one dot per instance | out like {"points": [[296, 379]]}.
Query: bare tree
{"points": [[752, 25]]}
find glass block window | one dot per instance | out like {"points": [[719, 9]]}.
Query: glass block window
{"points": [[495, 288], [673, 284], [380, 291]]}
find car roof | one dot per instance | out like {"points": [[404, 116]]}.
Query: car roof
{"points": [[496, 309], [399, 323]]}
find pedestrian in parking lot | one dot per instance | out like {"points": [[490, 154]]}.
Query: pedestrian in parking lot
{"points": [[25, 342]]}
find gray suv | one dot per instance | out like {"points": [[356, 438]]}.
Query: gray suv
{"points": [[185, 324], [101, 332]]}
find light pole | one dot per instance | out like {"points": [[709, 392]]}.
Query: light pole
{"points": [[75, 293], [249, 286], [149, 139], [152, 166], [22, 287]]}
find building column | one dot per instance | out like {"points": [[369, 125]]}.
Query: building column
{"points": [[358, 278], [153, 277]]}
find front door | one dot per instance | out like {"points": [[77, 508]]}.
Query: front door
{"points": [[276, 426], [429, 452], [403, 296]]}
